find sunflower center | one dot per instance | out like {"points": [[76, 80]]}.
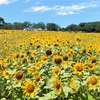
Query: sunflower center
{"points": [[93, 81], [19, 75], [79, 68], [94, 60], [48, 52], [57, 60], [57, 86], [30, 88], [65, 58], [90, 65], [37, 78]]}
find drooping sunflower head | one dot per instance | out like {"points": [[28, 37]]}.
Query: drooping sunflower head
{"points": [[93, 81], [29, 88], [57, 85], [18, 75], [78, 68]]}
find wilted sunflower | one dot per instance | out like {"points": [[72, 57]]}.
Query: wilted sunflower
{"points": [[57, 85], [18, 75], [93, 81], [78, 68], [29, 88]]}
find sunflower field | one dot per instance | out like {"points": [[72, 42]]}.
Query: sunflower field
{"points": [[48, 65]]}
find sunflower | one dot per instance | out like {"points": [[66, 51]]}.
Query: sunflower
{"points": [[56, 71], [57, 60], [48, 52], [36, 73], [29, 88], [44, 58], [37, 65], [57, 85], [37, 76], [93, 59], [93, 81], [91, 66], [6, 74], [30, 70], [83, 50], [72, 83], [18, 75], [78, 68]]}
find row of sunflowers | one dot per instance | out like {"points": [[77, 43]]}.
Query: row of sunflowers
{"points": [[47, 65]]}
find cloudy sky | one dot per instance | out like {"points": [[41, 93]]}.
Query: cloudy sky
{"points": [[61, 12]]}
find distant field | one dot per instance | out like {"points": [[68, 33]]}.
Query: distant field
{"points": [[49, 65]]}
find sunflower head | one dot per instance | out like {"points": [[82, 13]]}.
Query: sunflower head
{"points": [[30, 70], [83, 50], [78, 68], [56, 70], [57, 60], [65, 57], [6, 74], [72, 83], [44, 58], [93, 81], [37, 64], [91, 66], [57, 85], [29, 88], [93, 59], [48, 52], [18, 75], [36, 73]]}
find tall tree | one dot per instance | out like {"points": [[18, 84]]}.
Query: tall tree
{"points": [[52, 27]]}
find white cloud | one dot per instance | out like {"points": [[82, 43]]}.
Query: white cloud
{"points": [[37, 9], [6, 1], [26, 1], [63, 10]]}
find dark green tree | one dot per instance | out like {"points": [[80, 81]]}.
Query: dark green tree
{"points": [[52, 27]]}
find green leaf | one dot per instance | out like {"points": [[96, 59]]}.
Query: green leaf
{"points": [[90, 97], [67, 90], [3, 99]]}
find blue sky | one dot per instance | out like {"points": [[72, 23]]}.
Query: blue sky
{"points": [[61, 12]]}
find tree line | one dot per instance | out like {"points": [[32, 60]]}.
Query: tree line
{"points": [[84, 27]]}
